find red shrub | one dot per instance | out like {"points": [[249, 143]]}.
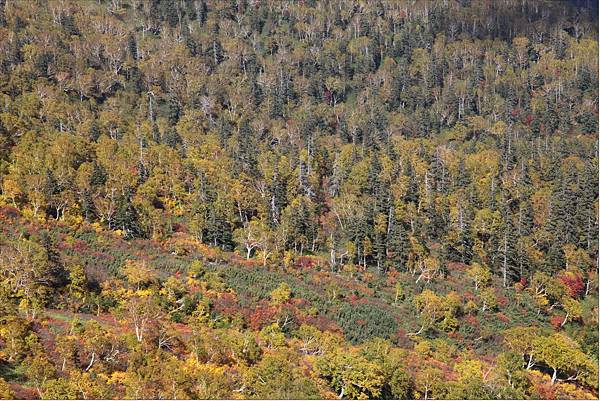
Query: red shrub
{"points": [[23, 393], [545, 391], [323, 324], [472, 321], [457, 266], [80, 246], [392, 277], [403, 341], [261, 317], [353, 299], [180, 228], [556, 321], [226, 304], [502, 317], [248, 262], [469, 296], [502, 301], [574, 283], [306, 262], [8, 212]]}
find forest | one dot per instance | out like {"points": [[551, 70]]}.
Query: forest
{"points": [[299, 199]]}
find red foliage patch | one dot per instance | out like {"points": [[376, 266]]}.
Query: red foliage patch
{"points": [[545, 391], [469, 296], [502, 317], [392, 277], [574, 283], [402, 339], [248, 262], [299, 302], [556, 321], [354, 299], [80, 246], [8, 212], [502, 301], [472, 321], [226, 304], [261, 316], [457, 266], [323, 324], [24, 393], [306, 262]]}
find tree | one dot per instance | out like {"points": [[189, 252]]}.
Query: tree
{"points": [[77, 287], [26, 272], [138, 274], [564, 357], [471, 383], [99, 346], [281, 294], [480, 275], [5, 390], [521, 341], [141, 310], [277, 377], [351, 375], [433, 309], [39, 370], [401, 385], [428, 382], [399, 292], [488, 300], [272, 336], [19, 340], [60, 388], [250, 236], [573, 310]]}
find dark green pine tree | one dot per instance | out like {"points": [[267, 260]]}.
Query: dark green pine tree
{"points": [[126, 218], [245, 151], [507, 256], [585, 216], [439, 173], [397, 244], [524, 228], [99, 175], [201, 12], [561, 223], [171, 138], [412, 192], [588, 122], [461, 249], [2, 13], [564, 210], [278, 198], [218, 232], [463, 180], [174, 110], [86, 204]]}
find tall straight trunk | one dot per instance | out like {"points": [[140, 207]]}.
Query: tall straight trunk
{"points": [[505, 262]]}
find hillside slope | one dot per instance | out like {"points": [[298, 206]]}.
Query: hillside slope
{"points": [[298, 199]]}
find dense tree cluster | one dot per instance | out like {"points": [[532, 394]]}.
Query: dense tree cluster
{"points": [[298, 199]]}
